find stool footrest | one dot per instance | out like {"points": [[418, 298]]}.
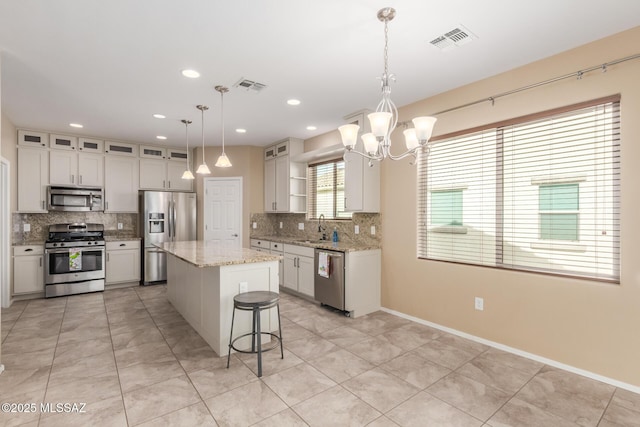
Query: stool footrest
{"points": [[269, 346]]}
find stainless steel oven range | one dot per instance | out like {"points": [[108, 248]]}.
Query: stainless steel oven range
{"points": [[74, 259]]}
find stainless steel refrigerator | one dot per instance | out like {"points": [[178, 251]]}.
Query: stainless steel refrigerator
{"points": [[165, 216]]}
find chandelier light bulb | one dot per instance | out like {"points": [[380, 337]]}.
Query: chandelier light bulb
{"points": [[380, 123], [410, 139], [370, 143], [424, 128]]}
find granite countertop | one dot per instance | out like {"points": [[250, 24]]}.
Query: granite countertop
{"points": [[27, 242], [320, 244], [211, 254]]}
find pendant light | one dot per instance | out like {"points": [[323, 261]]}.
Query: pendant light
{"points": [[223, 160], [203, 169], [187, 174]]}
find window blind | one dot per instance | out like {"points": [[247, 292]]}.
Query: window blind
{"points": [[325, 192], [540, 193]]}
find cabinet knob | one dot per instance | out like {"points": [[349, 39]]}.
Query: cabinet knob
{"points": [[28, 250], [123, 244]]}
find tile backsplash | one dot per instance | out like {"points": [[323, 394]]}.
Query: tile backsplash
{"points": [[268, 224], [39, 224]]}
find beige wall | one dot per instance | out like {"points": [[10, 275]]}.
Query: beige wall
{"points": [[247, 163], [585, 324]]}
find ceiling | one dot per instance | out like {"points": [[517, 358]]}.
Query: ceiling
{"points": [[110, 65]]}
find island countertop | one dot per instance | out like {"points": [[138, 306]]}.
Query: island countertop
{"points": [[202, 253]]}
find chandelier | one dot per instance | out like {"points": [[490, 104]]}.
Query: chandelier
{"points": [[377, 143]]}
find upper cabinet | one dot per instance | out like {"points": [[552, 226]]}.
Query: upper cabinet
{"points": [[71, 168], [361, 181], [284, 180], [162, 168], [121, 184], [121, 149], [27, 138], [33, 177]]}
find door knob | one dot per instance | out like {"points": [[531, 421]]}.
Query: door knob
{"points": [[234, 235]]}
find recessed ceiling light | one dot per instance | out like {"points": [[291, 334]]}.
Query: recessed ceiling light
{"points": [[192, 74], [159, 116], [293, 102], [161, 137], [75, 125], [311, 128], [240, 130]]}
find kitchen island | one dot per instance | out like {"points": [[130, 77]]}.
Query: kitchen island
{"points": [[202, 279]]}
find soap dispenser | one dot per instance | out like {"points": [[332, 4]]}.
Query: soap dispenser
{"points": [[334, 238]]}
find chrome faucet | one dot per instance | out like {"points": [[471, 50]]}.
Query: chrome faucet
{"points": [[322, 228]]}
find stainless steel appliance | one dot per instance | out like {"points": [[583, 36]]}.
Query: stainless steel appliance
{"points": [[75, 199], [165, 216], [328, 281], [74, 257]]}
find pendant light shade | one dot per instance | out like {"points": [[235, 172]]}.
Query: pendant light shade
{"points": [[187, 174], [223, 160], [203, 169]]}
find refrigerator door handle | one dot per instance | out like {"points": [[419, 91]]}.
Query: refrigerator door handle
{"points": [[169, 220], [173, 217]]}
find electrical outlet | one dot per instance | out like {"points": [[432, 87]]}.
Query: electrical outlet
{"points": [[281, 224], [373, 230], [479, 303], [119, 226], [356, 229], [26, 228], [244, 287], [255, 225], [301, 226]]}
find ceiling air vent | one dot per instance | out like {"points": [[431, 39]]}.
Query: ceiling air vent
{"points": [[249, 85], [457, 37]]}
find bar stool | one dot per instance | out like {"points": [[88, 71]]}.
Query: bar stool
{"points": [[256, 301]]}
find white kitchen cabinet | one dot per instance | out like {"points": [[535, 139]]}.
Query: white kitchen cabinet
{"points": [[63, 142], [33, 178], [362, 282], [361, 184], [163, 175], [28, 269], [151, 152], [278, 249], [123, 262], [90, 145], [72, 168], [121, 149], [27, 138], [298, 269], [121, 184], [361, 181], [279, 171], [153, 174]]}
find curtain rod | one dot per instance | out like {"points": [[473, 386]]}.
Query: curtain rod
{"points": [[577, 74]]}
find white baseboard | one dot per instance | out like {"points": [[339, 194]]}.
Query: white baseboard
{"points": [[550, 362]]}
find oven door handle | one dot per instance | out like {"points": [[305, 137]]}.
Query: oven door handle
{"points": [[66, 250]]}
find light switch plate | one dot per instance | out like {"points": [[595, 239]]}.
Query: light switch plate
{"points": [[301, 226], [119, 226], [479, 303], [255, 225], [244, 287], [356, 229], [373, 230], [26, 228], [280, 224]]}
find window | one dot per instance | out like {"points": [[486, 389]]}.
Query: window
{"points": [[539, 193], [446, 207], [559, 211], [326, 190]]}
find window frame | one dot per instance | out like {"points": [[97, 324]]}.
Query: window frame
{"points": [[312, 207]]}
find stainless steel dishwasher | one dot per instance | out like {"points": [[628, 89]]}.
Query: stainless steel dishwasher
{"points": [[329, 283]]}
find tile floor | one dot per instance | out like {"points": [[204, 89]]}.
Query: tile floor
{"points": [[133, 360]]}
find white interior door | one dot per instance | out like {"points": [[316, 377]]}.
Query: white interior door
{"points": [[223, 211]]}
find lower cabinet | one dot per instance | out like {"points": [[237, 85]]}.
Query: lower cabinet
{"points": [[123, 261], [278, 249], [28, 269], [298, 269]]}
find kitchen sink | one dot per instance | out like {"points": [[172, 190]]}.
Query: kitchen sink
{"points": [[312, 241]]}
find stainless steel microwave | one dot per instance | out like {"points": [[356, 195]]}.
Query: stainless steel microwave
{"points": [[75, 199]]}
